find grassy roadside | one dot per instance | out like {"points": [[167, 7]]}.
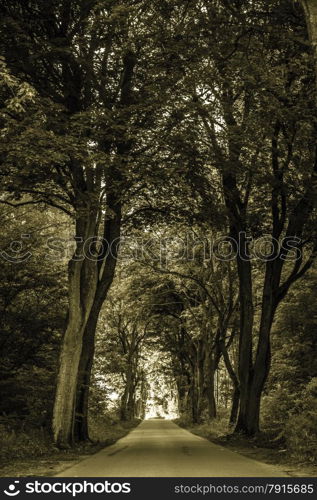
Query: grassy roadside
{"points": [[33, 454], [264, 448]]}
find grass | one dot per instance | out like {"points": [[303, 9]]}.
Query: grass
{"points": [[265, 447], [212, 430], [107, 431], [32, 453]]}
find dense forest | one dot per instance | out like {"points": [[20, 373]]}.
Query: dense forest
{"points": [[159, 224]]}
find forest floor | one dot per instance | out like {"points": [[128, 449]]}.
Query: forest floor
{"points": [[51, 461], [264, 448]]}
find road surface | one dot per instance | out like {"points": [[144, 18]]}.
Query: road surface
{"points": [[159, 448]]}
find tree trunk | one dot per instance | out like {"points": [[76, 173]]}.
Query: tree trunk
{"points": [[124, 404], [212, 365], [245, 342], [201, 400], [210, 393], [127, 400], [235, 383], [82, 284], [252, 394], [63, 412], [112, 235], [263, 357], [81, 430], [194, 395], [183, 396], [131, 402], [234, 406]]}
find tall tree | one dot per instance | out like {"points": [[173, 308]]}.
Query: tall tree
{"points": [[79, 150], [255, 144]]}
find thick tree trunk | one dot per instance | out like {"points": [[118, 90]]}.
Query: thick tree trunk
{"points": [[245, 342], [81, 430], [63, 413], [253, 392], [82, 274], [263, 357], [112, 235]]}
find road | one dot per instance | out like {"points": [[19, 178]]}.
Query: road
{"points": [[159, 448]]}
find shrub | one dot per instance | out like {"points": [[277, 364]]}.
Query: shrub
{"points": [[301, 429], [20, 444], [276, 408]]}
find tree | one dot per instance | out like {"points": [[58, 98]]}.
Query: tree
{"points": [[79, 150], [196, 296], [249, 101]]}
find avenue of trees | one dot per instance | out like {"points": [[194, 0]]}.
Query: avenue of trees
{"points": [[158, 202]]}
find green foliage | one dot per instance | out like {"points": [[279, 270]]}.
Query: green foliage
{"points": [[289, 407], [276, 408], [32, 306], [23, 444], [301, 429], [107, 428], [211, 430]]}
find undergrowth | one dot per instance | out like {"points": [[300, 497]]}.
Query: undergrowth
{"points": [[31, 443]]}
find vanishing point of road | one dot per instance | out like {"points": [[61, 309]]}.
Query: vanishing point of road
{"points": [[160, 448]]}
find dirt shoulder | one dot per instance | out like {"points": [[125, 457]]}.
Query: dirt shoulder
{"points": [[55, 461], [261, 449]]}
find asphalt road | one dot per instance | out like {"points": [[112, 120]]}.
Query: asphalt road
{"points": [[159, 448]]}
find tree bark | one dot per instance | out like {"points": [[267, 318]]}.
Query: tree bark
{"points": [[245, 342], [112, 235], [263, 355], [200, 364], [235, 383], [81, 430], [210, 393], [82, 285], [124, 403], [183, 384], [127, 408], [234, 405]]}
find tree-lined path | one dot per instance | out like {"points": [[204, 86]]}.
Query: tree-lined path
{"points": [[158, 200], [160, 448]]}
